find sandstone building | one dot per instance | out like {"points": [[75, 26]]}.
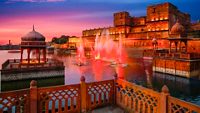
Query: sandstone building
{"points": [[139, 31], [157, 23]]}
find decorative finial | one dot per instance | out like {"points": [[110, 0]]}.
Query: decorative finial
{"points": [[82, 79], [165, 89], [33, 84], [33, 27]]}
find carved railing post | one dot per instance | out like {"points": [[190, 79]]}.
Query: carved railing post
{"points": [[163, 100], [33, 96], [83, 95], [115, 89]]}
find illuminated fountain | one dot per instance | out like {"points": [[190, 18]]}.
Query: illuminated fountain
{"points": [[106, 49], [80, 53]]}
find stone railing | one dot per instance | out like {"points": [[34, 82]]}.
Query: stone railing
{"points": [[178, 106], [138, 99], [85, 97], [14, 65], [99, 94], [59, 99], [15, 101], [188, 56]]}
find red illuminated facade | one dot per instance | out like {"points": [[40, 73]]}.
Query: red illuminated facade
{"points": [[139, 31], [159, 20]]}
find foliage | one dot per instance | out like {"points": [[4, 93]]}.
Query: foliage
{"points": [[62, 40]]}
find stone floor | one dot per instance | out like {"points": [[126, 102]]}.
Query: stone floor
{"points": [[108, 109]]}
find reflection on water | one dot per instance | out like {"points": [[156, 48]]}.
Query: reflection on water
{"points": [[93, 71], [138, 71], [183, 88]]}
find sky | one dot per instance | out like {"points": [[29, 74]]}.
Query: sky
{"points": [[54, 18]]}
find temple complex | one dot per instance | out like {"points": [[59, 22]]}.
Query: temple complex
{"points": [[33, 62], [139, 31]]}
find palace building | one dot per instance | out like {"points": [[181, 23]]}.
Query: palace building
{"points": [[139, 31]]}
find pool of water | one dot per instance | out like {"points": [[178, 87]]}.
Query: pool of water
{"points": [[137, 70]]}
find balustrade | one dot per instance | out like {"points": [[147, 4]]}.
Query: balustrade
{"points": [[99, 93], [136, 98], [178, 106], [84, 97], [14, 101]]}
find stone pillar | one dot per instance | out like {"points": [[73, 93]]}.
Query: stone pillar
{"points": [[36, 55], [44, 55], [29, 52], [39, 55], [164, 99], [170, 45], [21, 55], [176, 45], [33, 97], [115, 89], [180, 48], [83, 95], [185, 46]]}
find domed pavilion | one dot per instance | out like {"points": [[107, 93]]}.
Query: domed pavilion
{"points": [[34, 44], [178, 36]]}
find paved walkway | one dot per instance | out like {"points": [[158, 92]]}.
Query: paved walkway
{"points": [[108, 109]]}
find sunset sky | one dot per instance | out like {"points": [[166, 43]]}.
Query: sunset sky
{"points": [[69, 17]]}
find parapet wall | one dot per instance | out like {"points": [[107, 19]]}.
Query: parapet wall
{"points": [[32, 75]]}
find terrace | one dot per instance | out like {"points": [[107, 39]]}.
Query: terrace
{"points": [[115, 96]]}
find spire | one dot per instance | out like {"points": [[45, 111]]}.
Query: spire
{"points": [[33, 28]]}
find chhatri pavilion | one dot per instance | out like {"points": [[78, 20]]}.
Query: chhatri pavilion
{"points": [[177, 60], [178, 37], [30, 43], [33, 63]]}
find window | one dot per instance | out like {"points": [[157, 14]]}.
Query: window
{"points": [[154, 10]]}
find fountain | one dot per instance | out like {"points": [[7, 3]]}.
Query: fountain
{"points": [[106, 49], [80, 54]]}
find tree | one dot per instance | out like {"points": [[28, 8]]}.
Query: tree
{"points": [[62, 40]]}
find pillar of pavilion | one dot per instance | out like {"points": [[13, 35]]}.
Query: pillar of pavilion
{"points": [[34, 45], [155, 43], [178, 37]]}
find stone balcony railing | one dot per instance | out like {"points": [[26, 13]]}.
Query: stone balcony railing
{"points": [[187, 56], [166, 54], [38, 44], [85, 97]]}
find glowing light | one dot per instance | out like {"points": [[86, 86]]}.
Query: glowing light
{"points": [[97, 57], [161, 18]]}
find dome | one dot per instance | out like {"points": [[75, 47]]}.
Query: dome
{"points": [[33, 36], [154, 41], [177, 28]]}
